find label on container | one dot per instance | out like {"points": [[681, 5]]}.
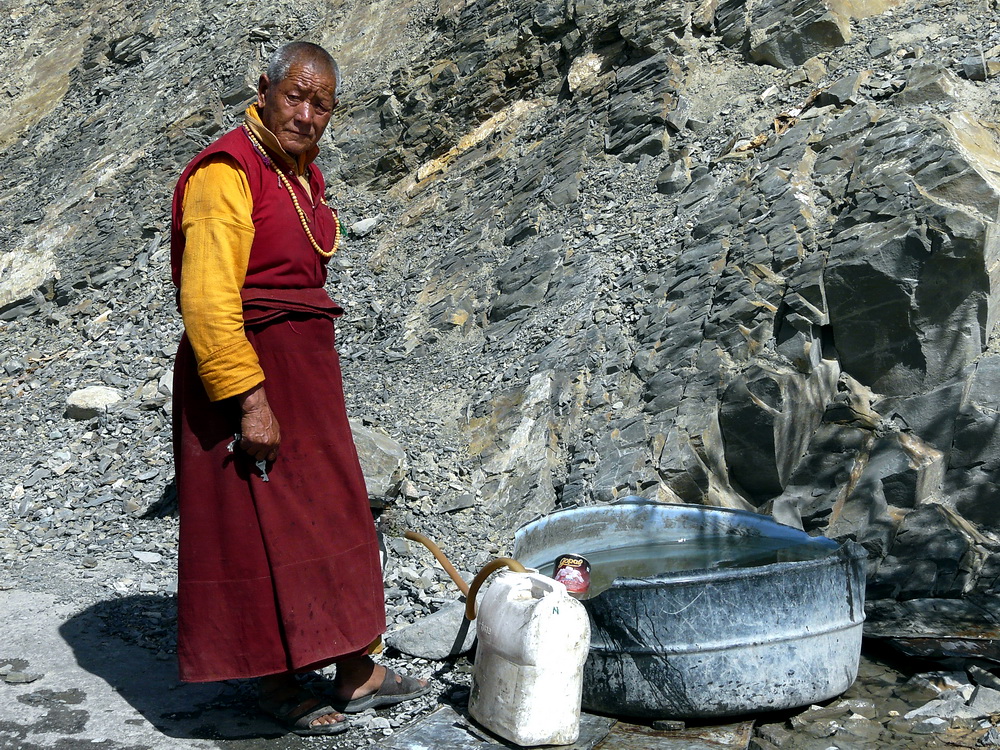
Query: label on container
{"points": [[573, 572]]}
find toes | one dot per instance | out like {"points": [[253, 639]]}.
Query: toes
{"points": [[327, 719]]}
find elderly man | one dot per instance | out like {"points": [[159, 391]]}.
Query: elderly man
{"points": [[279, 571]]}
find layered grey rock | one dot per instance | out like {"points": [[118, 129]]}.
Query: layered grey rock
{"points": [[783, 33]]}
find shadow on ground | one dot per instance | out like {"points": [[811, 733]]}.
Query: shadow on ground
{"points": [[124, 641]]}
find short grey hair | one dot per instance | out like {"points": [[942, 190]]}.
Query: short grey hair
{"points": [[288, 54]]}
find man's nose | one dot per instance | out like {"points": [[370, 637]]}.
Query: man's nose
{"points": [[304, 112]]}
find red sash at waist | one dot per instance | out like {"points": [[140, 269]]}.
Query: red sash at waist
{"points": [[266, 305]]}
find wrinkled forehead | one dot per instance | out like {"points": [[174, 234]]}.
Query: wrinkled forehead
{"points": [[313, 75]]}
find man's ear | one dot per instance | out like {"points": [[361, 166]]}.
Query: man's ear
{"points": [[262, 86]]}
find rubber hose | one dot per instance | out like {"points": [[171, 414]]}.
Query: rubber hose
{"points": [[500, 562], [468, 591], [439, 556]]}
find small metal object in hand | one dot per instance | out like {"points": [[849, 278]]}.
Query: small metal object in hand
{"points": [[261, 465]]}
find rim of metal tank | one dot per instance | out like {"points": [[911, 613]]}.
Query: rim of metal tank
{"points": [[851, 550]]}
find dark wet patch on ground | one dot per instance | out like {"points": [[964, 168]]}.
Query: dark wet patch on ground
{"points": [[15, 665], [71, 697], [15, 736]]}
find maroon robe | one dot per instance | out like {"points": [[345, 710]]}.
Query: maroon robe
{"points": [[279, 575]]}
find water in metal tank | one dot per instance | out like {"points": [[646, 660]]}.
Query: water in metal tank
{"points": [[699, 553]]}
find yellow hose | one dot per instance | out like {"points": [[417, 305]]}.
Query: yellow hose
{"points": [[439, 556], [500, 562], [468, 591]]}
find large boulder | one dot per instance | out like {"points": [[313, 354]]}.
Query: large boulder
{"points": [[383, 460], [767, 419], [934, 553], [783, 33], [521, 442], [787, 33]]}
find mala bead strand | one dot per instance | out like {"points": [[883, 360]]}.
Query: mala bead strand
{"points": [[295, 201]]}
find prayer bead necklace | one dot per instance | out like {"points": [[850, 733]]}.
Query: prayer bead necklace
{"points": [[295, 201]]}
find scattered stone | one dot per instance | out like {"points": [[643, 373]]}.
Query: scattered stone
{"points": [[92, 401], [985, 702], [456, 502], [990, 739], [979, 68], [674, 178], [930, 83], [21, 678], [814, 70], [984, 677], [880, 47], [365, 226], [844, 92], [383, 460]]}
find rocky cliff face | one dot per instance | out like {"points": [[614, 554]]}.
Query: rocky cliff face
{"points": [[734, 253]]}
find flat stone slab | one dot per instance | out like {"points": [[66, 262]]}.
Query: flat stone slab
{"points": [[448, 728], [638, 737], [437, 636]]}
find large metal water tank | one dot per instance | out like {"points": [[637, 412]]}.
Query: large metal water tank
{"points": [[712, 641]]}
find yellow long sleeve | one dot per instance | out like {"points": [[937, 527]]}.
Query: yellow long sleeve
{"points": [[218, 232]]}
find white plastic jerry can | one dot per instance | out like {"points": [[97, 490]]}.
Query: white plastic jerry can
{"points": [[528, 675]]}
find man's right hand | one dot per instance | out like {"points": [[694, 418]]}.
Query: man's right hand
{"points": [[258, 425]]}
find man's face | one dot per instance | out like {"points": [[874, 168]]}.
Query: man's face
{"points": [[298, 108]]}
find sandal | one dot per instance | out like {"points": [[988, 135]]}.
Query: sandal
{"points": [[395, 688], [299, 712]]}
